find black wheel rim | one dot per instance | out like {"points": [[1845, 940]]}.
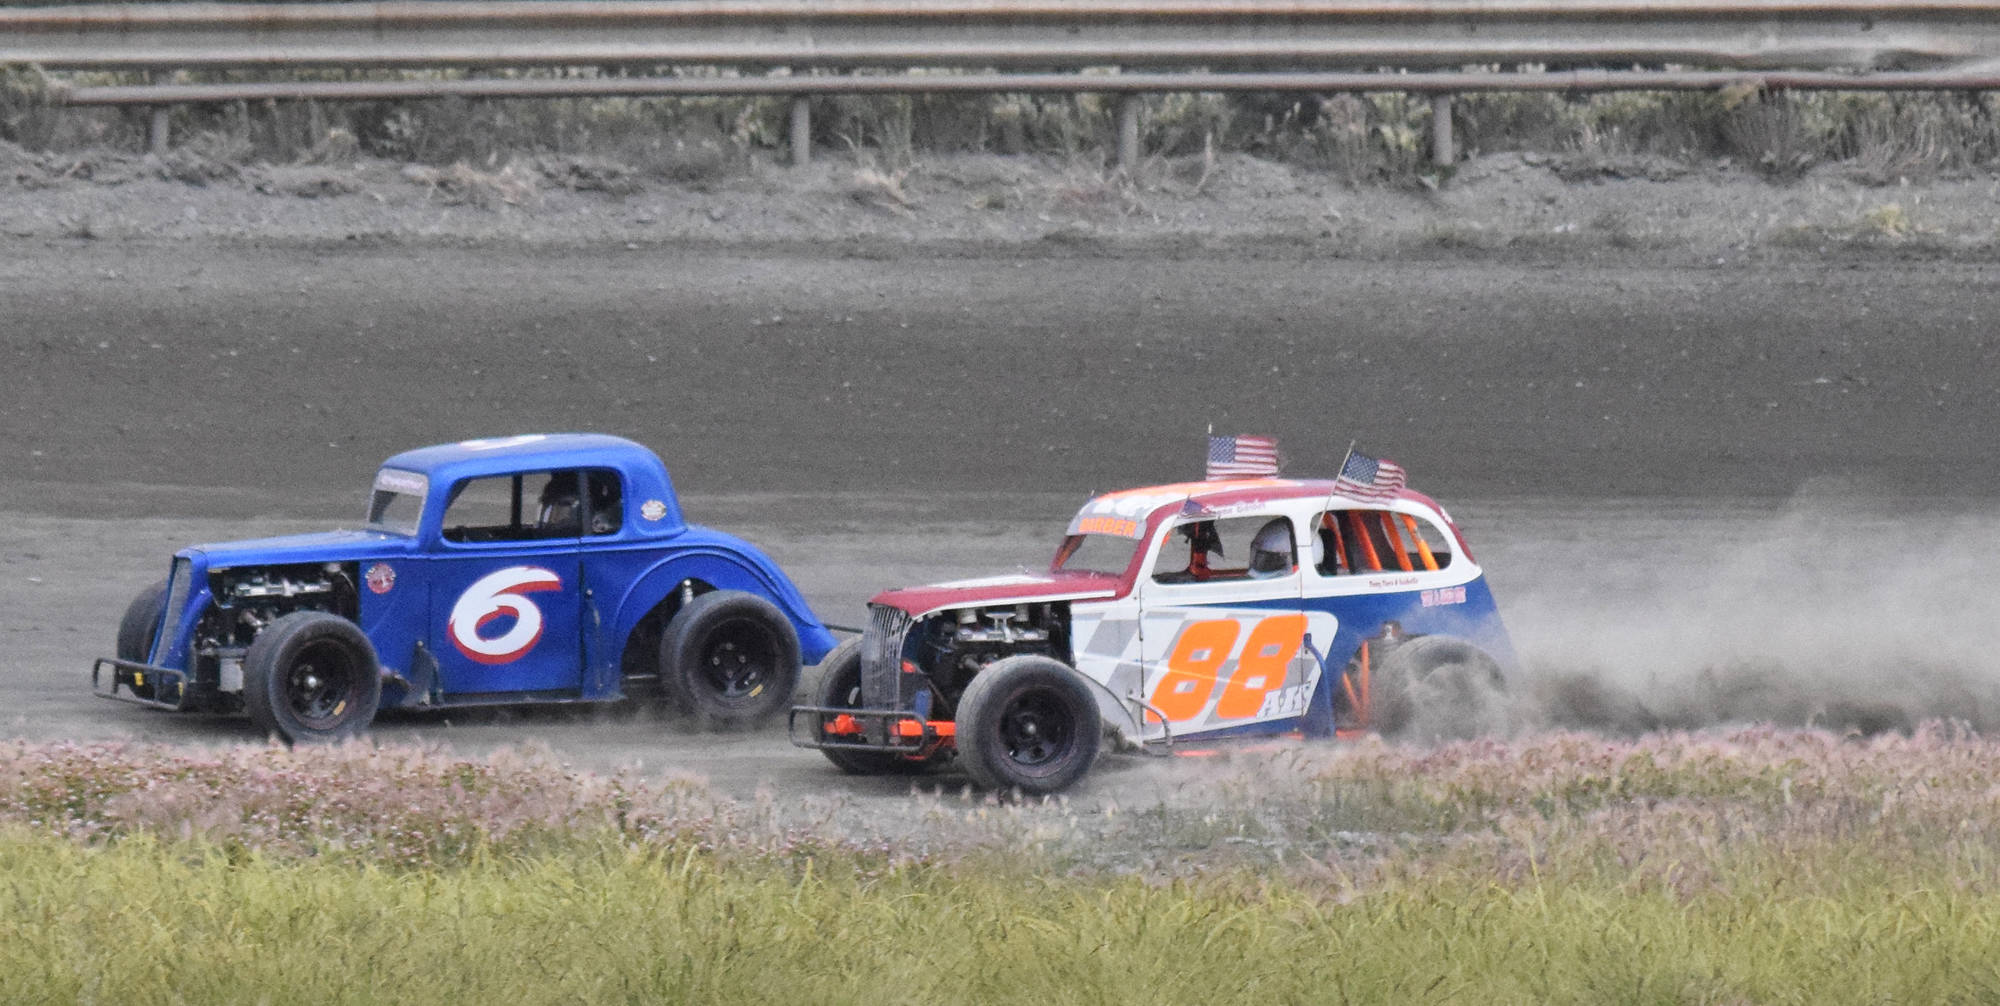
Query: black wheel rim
{"points": [[738, 661], [323, 685], [1037, 729]]}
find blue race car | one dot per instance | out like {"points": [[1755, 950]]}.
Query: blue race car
{"points": [[540, 568]]}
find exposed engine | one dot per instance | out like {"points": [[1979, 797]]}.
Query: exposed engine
{"points": [[952, 646], [249, 598]]}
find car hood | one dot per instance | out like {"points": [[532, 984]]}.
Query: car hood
{"points": [[323, 546], [1015, 588]]}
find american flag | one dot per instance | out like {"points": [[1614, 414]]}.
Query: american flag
{"points": [[1363, 477], [1240, 456]]}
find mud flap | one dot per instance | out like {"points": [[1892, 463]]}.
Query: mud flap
{"points": [[420, 689]]}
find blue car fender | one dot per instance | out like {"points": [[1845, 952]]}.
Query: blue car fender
{"points": [[741, 568]]}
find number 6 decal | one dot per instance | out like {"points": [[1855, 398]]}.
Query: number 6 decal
{"points": [[488, 599]]}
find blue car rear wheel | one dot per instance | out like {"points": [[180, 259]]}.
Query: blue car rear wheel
{"points": [[730, 659]]}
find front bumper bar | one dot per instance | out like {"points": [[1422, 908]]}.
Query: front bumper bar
{"points": [[132, 675], [898, 730]]}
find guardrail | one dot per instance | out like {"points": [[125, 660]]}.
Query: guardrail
{"points": [[1130, 47]]}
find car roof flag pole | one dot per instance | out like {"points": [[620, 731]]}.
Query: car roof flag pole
{"points": [[1334, 490], [1376, 480]]}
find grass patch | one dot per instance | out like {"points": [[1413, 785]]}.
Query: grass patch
{"points": [[1754, 866], [145, 921]]}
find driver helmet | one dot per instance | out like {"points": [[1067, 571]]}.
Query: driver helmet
{"points": [[603, 503], [1271, 549], [559, 503]]}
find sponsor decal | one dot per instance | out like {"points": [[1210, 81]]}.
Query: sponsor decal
{"points": [[381, 578], [1288, 701], [1122, 514], [653, 509], [1123, 527], [1443, 595], [495, 443], [396, 481], [1393, 581], [493, 597]]}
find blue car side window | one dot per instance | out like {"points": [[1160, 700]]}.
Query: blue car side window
{"points": [[532, 506]]}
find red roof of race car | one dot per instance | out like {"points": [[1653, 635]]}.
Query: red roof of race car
{"points": [[1128, 513], [1132, 513], [1225, 491]]}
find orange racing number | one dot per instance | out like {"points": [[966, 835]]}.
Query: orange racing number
{"points": [[1201, 650]]}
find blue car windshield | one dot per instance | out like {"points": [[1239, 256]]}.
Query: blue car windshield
{"points": [[397, 504]]}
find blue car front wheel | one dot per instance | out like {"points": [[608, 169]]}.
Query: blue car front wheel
{"points": [[311, 676]]}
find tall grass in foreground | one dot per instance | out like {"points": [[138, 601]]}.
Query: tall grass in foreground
{"points": [[148, 921], [1754, 866]]}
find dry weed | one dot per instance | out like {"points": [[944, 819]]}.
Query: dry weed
{"points": [[304, 182], [589, 174], [463, 184], [883, 191], [337, 146]]}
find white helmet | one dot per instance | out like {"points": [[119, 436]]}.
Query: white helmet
{"points": [[1271, 550]]}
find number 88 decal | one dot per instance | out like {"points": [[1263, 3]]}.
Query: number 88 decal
{"points": [[1197, 657]]}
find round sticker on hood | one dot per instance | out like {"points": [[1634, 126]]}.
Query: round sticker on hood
{"points": [[653, 510], [381, 578]]}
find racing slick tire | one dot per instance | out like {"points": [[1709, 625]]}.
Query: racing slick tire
{"points": [[136, 631], [730, 659], [1029, 723], [311, 677], [838, 686], [1437, 688]]}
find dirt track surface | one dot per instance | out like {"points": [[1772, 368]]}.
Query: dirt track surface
{"points": [[286, 368], [1704, 491]]}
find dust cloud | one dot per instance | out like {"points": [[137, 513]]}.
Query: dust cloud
{"points": [[1864, 617]]}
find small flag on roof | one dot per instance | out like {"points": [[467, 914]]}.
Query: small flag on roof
{"points": [[1242, 456], [1363, 477]]}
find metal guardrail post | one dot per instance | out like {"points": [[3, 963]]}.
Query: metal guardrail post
{"points": [[1128, 131], [1443, 150], [159, 124], [801, 130], [159, 130]]}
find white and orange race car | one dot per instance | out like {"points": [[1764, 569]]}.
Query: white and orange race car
{"points": [[1177, 613]]}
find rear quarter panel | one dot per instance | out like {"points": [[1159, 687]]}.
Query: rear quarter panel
{"points": [[629, 583]]}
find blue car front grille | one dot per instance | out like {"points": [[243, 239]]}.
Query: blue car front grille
{"points": [[179, 586]]}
